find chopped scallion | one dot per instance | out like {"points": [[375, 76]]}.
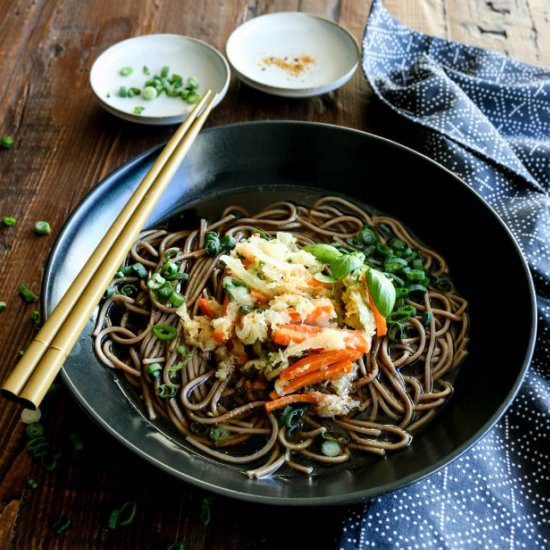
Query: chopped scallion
{"points": [[109, 292], [367, 236], [149, 93], [164, 292], [49, 460], [125, 71], [331, 448], [154, 369], [155, 281], [212, 243], [123, 516], [6, 142], [228, 242], [9, 221], [31, 483], [34, 430], [166, 391], [140, 270], [29, 416], [417, 288], [129, 290], [169, 270], [404, 312], [291, 417], [76, 441], [176, 299], [27, 294], [393, 263], [415, 275], [36, 319], [218, 433], [206, 510], [61, 524], [383, 249]]}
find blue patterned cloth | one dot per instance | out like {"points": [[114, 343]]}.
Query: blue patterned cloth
{"points": [[486, 117]]}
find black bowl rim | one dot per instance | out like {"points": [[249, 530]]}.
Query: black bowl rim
{"points": [[347, 498]]}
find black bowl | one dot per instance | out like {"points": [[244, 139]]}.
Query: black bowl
{"points": [[256, 163]]}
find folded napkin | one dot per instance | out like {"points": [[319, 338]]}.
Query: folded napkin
{"points": [[486, 117]]}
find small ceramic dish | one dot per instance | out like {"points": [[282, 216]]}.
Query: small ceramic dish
{"points": [[292, 54], [144, 57]]}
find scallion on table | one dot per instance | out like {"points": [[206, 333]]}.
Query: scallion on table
{"points": [[42, 227], [206, 510], [36, 319], [123, 516], [6, 142], [61, 524], [27, 294]]}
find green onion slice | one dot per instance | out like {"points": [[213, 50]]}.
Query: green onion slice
{"points": [[291, 417], [61, 524], [127, 513], [212, 243], [140, 270], [218, 433], [176, 299], [42, 227], [154, 369], [34, 430], [367, 236], [76, 441], [164, 332], [6, 142], [331, 448], [166, 391], [228, 242], [123, 516], [155, 281], [27, 294], [427, 318], [206, 511]]}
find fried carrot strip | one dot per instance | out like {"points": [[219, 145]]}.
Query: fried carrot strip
{"points": [[312, 397]]}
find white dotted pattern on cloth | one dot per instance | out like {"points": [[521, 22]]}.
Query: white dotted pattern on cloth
{"points": [[486, 118]]}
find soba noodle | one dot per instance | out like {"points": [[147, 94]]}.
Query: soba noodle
{"points": [[400, 384]]}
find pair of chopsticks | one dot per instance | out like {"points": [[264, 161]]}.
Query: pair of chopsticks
{"points": [[33, 375]]}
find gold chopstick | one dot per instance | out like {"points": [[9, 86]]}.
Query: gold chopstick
{"points": [[37, 369]]}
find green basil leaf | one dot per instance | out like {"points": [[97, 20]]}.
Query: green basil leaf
{"points": [[382, 291], [322, 278], [344, 265], [325, 253]]}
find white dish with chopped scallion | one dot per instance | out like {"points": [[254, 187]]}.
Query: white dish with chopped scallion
{"points": [[157, 78]]}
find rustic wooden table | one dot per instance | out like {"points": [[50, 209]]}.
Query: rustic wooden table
{"points": [[64, 145]]}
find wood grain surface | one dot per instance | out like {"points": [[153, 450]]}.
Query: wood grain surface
{"points": [[64, 145]]}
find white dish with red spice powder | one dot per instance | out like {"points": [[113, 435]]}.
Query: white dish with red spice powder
{"points": [[293, 54]]}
